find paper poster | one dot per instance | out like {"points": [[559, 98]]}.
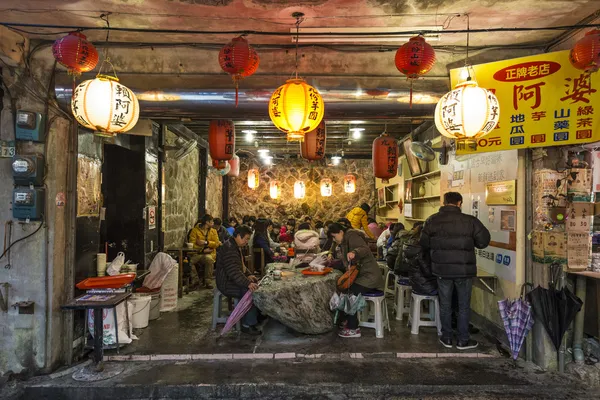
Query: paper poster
{"points": [[475, 208], [151, 217], [89, 182], [491, 215], [555, 247], [537, 246], [544, 185], [580, 188], [579, 217], [580, 249], [508, 220], [408, 210]]}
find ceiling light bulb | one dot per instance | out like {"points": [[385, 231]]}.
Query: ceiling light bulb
{"points": [[357, 133], [256, 143], [336, 160], [249, 134], [263, 153], [268, 160]]}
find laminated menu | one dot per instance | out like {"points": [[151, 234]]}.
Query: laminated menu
{"points": [[580, 249]]}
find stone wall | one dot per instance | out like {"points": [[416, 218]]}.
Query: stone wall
{"points": [[214, 193], [245, 201], [181, 195]]}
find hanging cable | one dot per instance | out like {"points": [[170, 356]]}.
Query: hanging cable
{"points": [[23, 238]]}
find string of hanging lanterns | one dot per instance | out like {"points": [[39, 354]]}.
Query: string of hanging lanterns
{"points": [[312, 148], [238, 59]]}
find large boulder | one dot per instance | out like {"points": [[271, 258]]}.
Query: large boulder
{"points": [[299, 302]]}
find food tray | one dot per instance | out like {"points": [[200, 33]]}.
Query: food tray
{"points": [[307, 271], [106, 282]]}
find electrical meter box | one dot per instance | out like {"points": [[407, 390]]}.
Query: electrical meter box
{"points": [[30, 126], [28, 169], [28, 203]]}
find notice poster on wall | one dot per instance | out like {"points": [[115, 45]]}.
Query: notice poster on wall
{"points": [[555, 247], [580, 250], [580, 188], [89, 182], [580, 217]]}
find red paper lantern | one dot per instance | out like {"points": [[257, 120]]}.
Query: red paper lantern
{"points": [[585, 55], [415, 58], [219, 164], [238, 59], [385, 157], [221, 139], [313, 146], [75, 53], [235, 166]]}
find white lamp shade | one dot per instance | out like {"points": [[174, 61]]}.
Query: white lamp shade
{"points": [[349, 183], [253, 178], [467, 112], [326, 187], [105, 105], [299, 190], [274, 189]]}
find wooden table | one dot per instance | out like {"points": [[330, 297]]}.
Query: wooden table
{"points": [[98, 306], [181, 251]]}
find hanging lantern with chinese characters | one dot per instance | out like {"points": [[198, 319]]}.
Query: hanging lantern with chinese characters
{"points": [[326, 187], [385, 157], [585, 55], [274, 189], [105, 106], [349, 183], [313, 146], [296, 108], [238, 59], [75, 53], [415, 58], [299, 189], [221, 139], [235, 166], [467, 112], [221, 167], [253, 178]]}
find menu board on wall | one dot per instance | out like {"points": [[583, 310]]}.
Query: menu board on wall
{"points": [[580, 217], [580, 250]]}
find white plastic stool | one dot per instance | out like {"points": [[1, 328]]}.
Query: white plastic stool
{"points": [[217, 316], [382, 319], [387, 290], [402, 299], [414, 318]]}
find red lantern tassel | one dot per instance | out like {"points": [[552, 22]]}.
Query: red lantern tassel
{"points": [[410, 102]]}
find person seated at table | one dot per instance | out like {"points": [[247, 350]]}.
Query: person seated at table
{"points": [[233, 222], [306, 242], [206, 240], [383, 239], [325, 240], [221, 231], [355, 249], [274, 230], [273, 244], [358, 219], [261, 239], [418, 264], [397, 239], [308, 220], [374, 227], [286, 235], [233, 278]]}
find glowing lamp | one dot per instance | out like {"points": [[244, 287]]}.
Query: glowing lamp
{"points": [[296, 108], [326, 187], [75, 53], [235, 166], [274, 189], [253, 178], [349, 183], [467, 112], [105, 106], [299, 189]]}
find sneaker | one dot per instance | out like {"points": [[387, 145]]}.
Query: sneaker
{"points": [[251, 330], [469, 344], [447, 343], [349, 333]]}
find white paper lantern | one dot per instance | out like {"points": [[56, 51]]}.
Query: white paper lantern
{"points": [[326, 187], [274, 189], [104, 105], [467, 112], [299, 190], [253, 179], [349, 183]]}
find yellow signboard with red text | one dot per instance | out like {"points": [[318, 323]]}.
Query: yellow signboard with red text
{"points": [[544, 101]]}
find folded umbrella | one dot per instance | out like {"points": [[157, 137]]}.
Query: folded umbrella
{"points": [[243, 306], [518, 321]]}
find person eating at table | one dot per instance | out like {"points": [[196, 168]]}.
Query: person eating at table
{"points": [[206, 240], [355, 250], [233, 278], [306, 242], [261, 239]]}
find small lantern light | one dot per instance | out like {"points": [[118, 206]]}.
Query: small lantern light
{"points": [[349, 183], [274, 189], [326, 187], [299, 189], [253, 179]]}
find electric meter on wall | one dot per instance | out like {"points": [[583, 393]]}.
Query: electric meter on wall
{"points": [[30, 126], [28, 169], [28, 203]]}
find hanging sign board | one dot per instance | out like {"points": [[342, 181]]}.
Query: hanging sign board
{"points": [[503, 193], [544, 101]]}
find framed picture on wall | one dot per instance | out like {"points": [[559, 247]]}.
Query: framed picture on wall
{"points": [[408, 192], [381, 197]]}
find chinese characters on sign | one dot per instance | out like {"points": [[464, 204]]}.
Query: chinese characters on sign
{"points": [[544, 100]]}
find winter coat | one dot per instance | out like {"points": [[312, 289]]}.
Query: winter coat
{"points": [[451, 237], [223, 234], [230, 278], [306, 243], [285, 235], [210, 235], [261, 243], [395, 251], [369, 274], [421, 278], [358, 219], [375, 229]]}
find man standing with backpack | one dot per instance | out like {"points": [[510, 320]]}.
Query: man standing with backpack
{"points": [[451, 238]]}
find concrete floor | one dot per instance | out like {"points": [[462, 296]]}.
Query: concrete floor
{"points": [[187, 331]]}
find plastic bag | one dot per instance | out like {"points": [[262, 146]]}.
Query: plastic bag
{"points": [[108, 319], [115, 266], [334, 302], [320, 259]]}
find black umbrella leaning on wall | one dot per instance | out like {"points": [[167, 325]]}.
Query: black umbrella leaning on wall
{"points": [[556, 309]]}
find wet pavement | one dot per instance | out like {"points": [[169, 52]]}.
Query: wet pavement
{"points": [[188, 331]]}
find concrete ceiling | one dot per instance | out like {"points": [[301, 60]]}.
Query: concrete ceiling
{"points": [[155, 62]]}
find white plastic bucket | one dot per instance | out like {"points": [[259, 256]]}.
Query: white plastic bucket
{"points": [[154, 306], [140, 311]]}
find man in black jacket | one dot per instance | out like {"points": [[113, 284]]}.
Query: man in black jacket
{"points": [[451, 238], [231, 276]]}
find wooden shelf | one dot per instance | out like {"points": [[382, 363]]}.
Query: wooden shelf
{"points": [[414, 219], [589, 274], [424, 176], [427, 197]]}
